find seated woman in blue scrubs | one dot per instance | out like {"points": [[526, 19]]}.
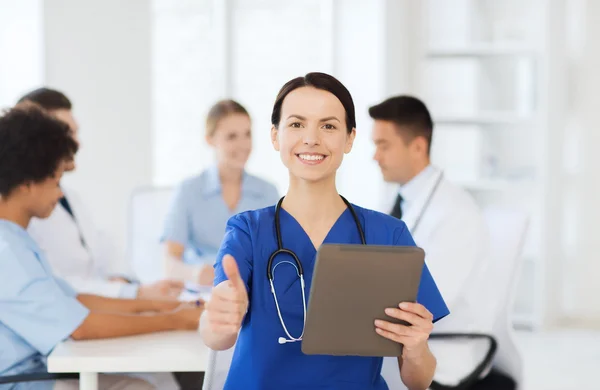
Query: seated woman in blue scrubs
{"points": [[196, 221], [313, 126]]}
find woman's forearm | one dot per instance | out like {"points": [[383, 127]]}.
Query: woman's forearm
{"points": [[175, 268], [131, 306], [417, 369]]}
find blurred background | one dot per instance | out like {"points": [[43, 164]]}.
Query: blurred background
{"points": [[513, 86]]}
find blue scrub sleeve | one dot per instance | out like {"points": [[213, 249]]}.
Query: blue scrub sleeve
{"points": [[177, 226], [428, 295], [237, 243], [36, 307]]}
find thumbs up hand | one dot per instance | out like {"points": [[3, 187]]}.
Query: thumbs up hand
{"points": [[229, 301]]}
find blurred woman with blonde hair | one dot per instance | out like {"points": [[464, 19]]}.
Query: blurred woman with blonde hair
{"points": [[201, 206]]}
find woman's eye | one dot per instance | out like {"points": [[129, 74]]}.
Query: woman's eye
{"points": [[329, 126], [295, 125]]}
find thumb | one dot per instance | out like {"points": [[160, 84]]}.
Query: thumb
{"points": [[233, 272]]}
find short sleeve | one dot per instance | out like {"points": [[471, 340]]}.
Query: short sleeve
{"points": [[37, 307], [65, 287], [176, 226], [428, 295], [238, 244]]}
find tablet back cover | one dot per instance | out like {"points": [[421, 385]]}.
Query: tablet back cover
{"points": [[352, 285]]}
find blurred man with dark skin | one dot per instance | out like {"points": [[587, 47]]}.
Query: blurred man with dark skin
{"points": [[80, 254], [37, 309], [73, 245]]}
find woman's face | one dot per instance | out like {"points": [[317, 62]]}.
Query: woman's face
{"points": [[232, 140], [312, 137]]}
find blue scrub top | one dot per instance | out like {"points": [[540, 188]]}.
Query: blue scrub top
{"points": [[259, 361], [198, 214], [37, 310]]}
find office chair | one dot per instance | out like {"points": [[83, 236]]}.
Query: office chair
{"points": [[148, 207], [492, 352], [218, 368], [501, 366]]}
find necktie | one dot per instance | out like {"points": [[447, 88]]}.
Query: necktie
{"points": [[397, 209], [65, 204]]}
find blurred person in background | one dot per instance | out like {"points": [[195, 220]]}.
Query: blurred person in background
{"points": [[38, 310], [201, 206], [74, 247], [444, 220]]}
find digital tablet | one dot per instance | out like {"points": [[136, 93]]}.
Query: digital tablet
{"points": [[352, 285]]}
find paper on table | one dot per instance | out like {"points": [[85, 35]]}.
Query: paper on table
{"points": [[193, 291]]}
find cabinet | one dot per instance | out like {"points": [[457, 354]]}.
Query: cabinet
{"points": [[482, 65]]}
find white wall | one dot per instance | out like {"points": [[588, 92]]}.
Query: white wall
{"points": [[21, 45], [185, 83], [581, 188], [556, 100], [98, 53]]}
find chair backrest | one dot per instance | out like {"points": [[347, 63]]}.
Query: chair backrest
{"points": [[217, 370], [147, 211], [507, 235], [495, 297]]}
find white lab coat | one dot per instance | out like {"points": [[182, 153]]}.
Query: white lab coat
{"points": [[83, 267], [455, 238]]}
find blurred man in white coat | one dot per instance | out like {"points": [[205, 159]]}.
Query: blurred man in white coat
{"points": [[443, 219], [75, 248]]}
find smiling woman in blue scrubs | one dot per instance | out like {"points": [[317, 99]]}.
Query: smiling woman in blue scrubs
{"points": [[196, 221], [313, 126]]}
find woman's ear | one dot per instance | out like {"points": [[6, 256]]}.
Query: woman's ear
{"points": [[209, 140], [275, 138], [350, 141]]}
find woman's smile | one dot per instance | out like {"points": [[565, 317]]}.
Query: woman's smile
{"points": [[311, 158]]}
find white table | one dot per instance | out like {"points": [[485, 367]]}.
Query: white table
{"points": [[180, 351]]}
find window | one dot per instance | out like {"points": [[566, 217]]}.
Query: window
{"points": [[272, 42], [243, 49], [21, 49], [185, 85]]}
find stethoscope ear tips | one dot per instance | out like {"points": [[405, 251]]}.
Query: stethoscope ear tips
{"points": [[282, 340]]}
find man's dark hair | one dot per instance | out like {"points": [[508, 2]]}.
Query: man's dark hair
{"points": [[48, 99], [407, 112], [321, 81], [32, 145]]}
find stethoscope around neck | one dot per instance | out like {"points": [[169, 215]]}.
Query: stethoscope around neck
{"points": [[425, 206], [297, 264]]}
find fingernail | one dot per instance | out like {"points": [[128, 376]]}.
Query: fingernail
{"points": [[403, 305], [378, 322], [389, 311]]}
